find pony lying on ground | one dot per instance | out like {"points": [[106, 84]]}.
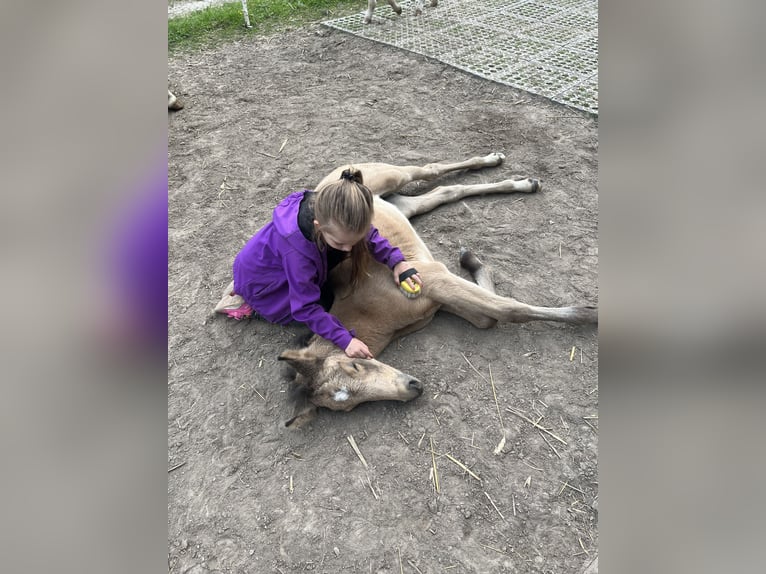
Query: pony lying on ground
{"points": [[380, 312], [395, 7]]}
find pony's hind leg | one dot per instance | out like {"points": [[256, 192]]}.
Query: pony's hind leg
{"points": [[484, 309], [481, 274]]}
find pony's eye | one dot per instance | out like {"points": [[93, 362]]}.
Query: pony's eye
{"points": [[356, 366]]}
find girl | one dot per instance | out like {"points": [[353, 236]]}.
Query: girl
{"points": [[281, 272]]}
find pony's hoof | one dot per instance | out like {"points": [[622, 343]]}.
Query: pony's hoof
{"points": [[495, 158]]}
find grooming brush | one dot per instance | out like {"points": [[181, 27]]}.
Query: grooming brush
{"points": [[404, 287]]}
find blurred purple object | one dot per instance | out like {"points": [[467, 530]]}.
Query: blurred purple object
{"points": [[139, 265]]}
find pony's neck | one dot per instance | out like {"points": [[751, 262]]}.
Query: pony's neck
{"points": [[321, 347], [363, 309], [376, 342]]}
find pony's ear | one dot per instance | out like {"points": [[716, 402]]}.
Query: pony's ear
{"points": [[304, 362], [302, 417]]}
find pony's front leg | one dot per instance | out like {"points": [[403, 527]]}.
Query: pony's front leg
{"points": [[385, 179], [419, 204]]}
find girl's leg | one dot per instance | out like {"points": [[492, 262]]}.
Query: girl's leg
{"points": [[233, 305]]}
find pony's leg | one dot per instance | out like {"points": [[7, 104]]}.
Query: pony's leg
{"points": [[416, 205], [481, 274], [483, 308], [419, 6], [370, 9], [395, 7], [384, 179]]}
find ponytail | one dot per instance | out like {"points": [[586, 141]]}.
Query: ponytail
{"points": [[347, 203]]}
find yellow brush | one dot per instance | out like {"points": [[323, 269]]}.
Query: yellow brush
{"points": [[404, 287], [410, 292]]}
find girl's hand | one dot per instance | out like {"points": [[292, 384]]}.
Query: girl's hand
{"points": [[400, 268], [358, 349]]}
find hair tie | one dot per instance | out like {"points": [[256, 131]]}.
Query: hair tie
{"points": [[348, 175]]}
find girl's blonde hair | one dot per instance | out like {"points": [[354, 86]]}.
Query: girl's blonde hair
{"points": [[347, 204]]}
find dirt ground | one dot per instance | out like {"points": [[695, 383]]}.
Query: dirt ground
{"points": [[269, 116]]}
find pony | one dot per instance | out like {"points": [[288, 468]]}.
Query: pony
{"points": [[378, 310], [395, 7]]}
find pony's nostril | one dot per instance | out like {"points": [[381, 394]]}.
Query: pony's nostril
{"points": [[416, 385]]}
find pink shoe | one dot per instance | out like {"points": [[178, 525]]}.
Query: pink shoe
{"points": [[244, 311], [233, 305]]}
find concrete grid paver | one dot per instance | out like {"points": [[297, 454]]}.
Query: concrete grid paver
{"points": [[547, 47]]}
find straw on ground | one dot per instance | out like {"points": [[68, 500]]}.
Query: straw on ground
{"points": [[461, 465], [433, 463], [356, 450], [534, 424]]}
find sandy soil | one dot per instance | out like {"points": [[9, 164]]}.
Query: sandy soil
{"points": [[269, 116]]}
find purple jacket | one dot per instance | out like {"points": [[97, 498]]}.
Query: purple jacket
{"points": [[280, 273]]}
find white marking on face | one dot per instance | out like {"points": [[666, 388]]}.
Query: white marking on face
{"points": [[341, 395]]}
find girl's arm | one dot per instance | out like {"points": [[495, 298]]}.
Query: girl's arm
{"points": [[304, 294], [329, 327], [391, 256], [381, 250]]}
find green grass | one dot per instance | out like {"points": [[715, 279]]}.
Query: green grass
{"points": [[222, 23]]}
